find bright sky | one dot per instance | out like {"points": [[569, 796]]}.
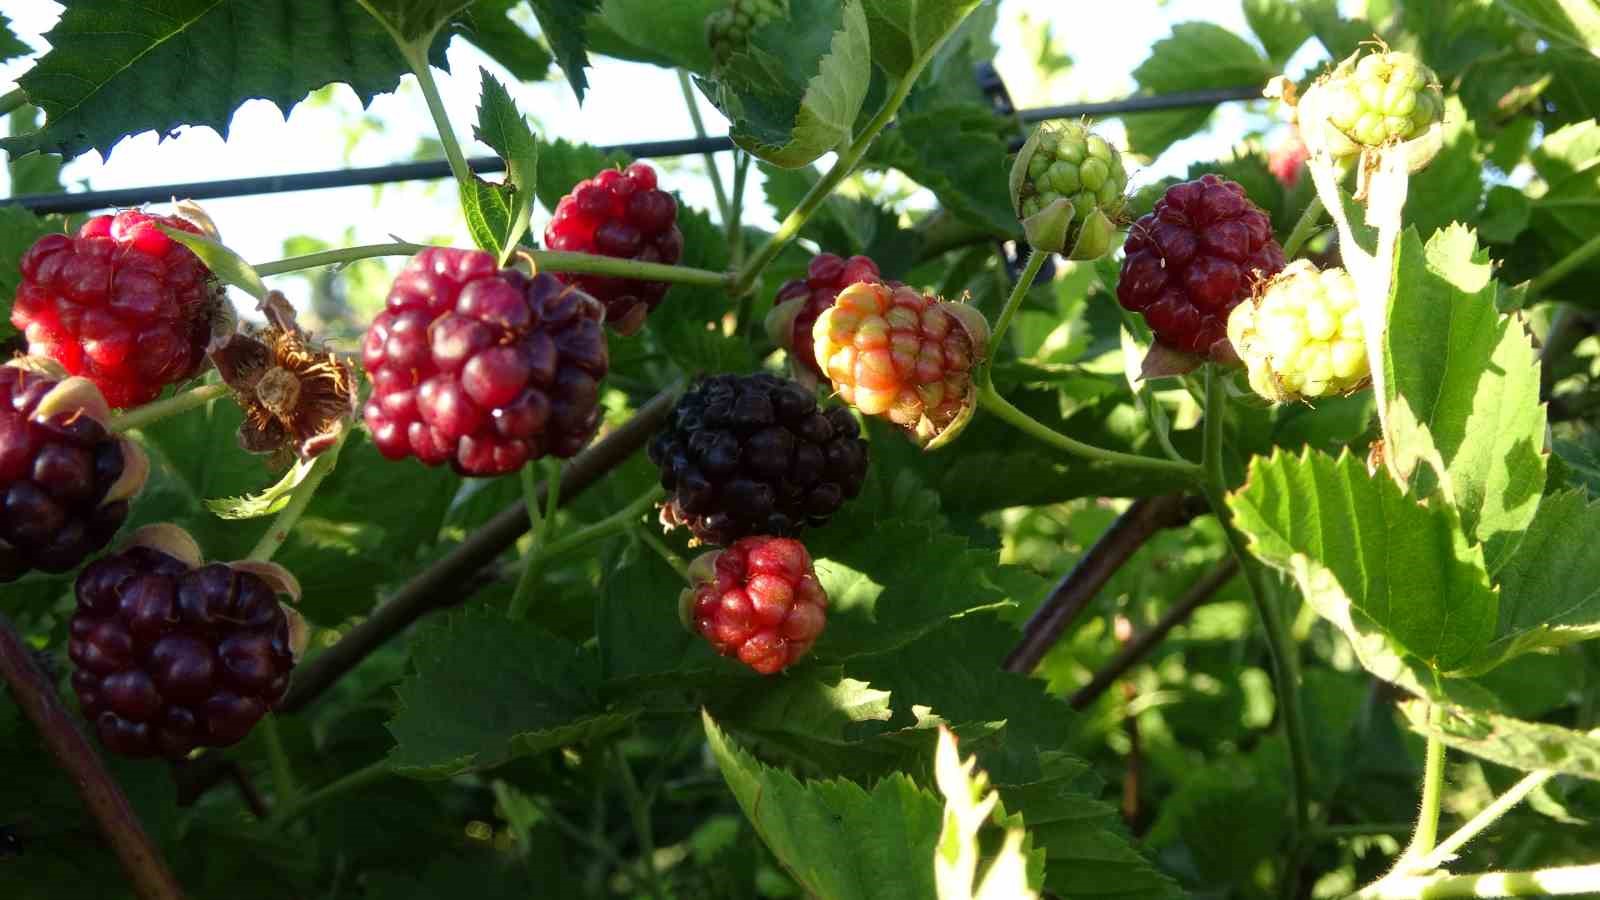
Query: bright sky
{"points": [[625, 102]]}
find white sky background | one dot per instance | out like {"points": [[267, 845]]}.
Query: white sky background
{"points": [[625, 102]]}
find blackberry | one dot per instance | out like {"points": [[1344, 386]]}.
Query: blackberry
{"points": [[65, 480], [172, 655], [747, 455]]}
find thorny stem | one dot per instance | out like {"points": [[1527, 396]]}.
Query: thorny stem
{"points": [[356, 780], [299, 499], [546, 260], [1304, 227], [700, 132], [1564, 267], [36, 696], [990, 401], [172, 406], [1285, 679], [1554, 882], [1030, 271]]}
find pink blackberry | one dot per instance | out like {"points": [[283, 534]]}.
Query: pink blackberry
{"points": [[1202, 250], [65, 481], [744, 455], [622, 214], [171, 654], [801, 301], [121, 304], [483, 368], [758, 601]]}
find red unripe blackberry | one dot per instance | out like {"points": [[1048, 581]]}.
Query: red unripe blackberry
{"points": [[1189, 262], [622, 214], [758, 601], [120, 303], [171, 654], [801, 301], [65, 480], [744, 455], [481, 367]]}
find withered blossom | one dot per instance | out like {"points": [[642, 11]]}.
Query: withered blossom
{"points": [[297, 396]]}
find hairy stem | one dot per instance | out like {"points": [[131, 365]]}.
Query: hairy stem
{"points": [[1030, 271], [1285, 678], [1553, 882], [149, 413], [990, 401], [1446, 851], [1304, 227], [1422, 840], [299, 499], [36, 696], [700, 132]]}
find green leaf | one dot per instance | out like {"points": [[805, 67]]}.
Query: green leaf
{"points": [[487, 24], [1198, 55], [836, 838], [793, 94], [11, 46], [487, 690], [1550, 588], [665, 34], [905, 31], [489, 211], [116, 69], [562, 24], [412, 20], [1370, 559], [228, 266], [507, 132], [1278, 25], [1463, 390], [264, 503], [1571, 23], [1528, 746]]}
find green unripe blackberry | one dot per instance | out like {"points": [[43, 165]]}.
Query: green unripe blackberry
{"points": [[1383, 98], [728, 29], [1301, 336], [1067, 188]]}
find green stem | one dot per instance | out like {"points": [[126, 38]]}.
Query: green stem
{"points": [[299, 499], [700, 132], [991, 401], [1564, 267], [1446, 851], [1304, 227], [1285, 678], [1553, 882], [161, 409], [356, 780], [337, 257], [848, 159], [654, 542], [616, 523], [639, 812], [1030, 271], [547, 260], [278, 759], [416, 56], [1427, 832], [539, 527], [11, 100]]}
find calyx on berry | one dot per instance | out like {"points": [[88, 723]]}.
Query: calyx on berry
{"points": [[892, 351], [1378, 99], [758, 601], [65, 479], [173, 654], [1301, 336], [297, 396], [1067, 187]]}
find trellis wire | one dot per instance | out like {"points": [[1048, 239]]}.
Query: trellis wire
{"points": [[84, 201]]}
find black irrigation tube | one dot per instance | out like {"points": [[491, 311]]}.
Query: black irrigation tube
{"points": [[438, 169]]}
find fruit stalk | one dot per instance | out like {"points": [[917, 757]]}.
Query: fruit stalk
{"points": [[299, 499], [140, 416], [1446, 851], [540, 522], [1422, 840], [1285, 677], [1304, 227], [37, 697], [1030, 271], [991, 401]]}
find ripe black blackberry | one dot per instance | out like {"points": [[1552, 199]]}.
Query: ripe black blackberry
{"points": [[172, 655], [747, 455]]}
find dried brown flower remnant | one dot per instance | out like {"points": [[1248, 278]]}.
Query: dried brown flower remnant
{"points": [[297, 397]]}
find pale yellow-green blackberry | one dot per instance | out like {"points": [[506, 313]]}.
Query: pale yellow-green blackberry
{"points": [[1301, 336], [1384, 97]]}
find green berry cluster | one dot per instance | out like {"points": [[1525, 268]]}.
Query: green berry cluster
{"points": [[1383, 98], [728, 29], [1072, 164], [1302, 337]]}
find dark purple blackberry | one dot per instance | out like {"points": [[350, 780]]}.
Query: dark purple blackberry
{"points": [[747, 455], [65, 480], [172, 655]]}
